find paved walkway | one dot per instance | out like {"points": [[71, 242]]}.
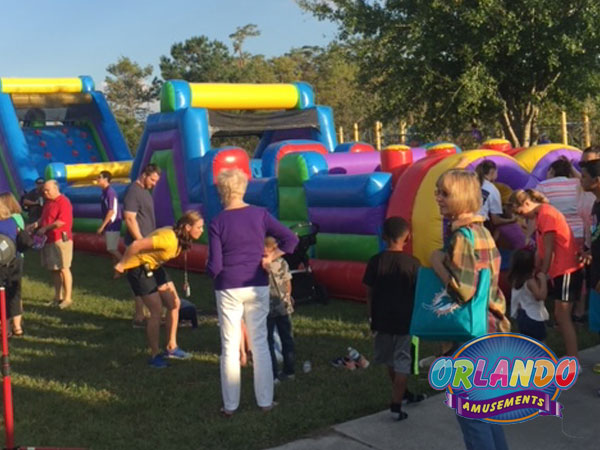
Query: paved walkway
{"points": [[432, 425]]}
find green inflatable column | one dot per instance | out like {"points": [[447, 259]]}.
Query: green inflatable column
{"points": [[292, 200]]}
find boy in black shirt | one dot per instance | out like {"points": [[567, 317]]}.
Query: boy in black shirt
{"points": [[391, 277]]}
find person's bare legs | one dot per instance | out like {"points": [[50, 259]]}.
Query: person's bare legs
{"points": [[170, 299], [399, 382], [139, 315], [17, 324], [243, 346], [154, 304], [115, 255], [579, 307], [67, 285], [562, 314], [58, 286]]}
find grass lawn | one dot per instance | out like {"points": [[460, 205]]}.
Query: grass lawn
{"points": [[80, 376]]}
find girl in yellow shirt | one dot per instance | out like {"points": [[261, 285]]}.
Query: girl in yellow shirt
{"points": [[143, 262]]}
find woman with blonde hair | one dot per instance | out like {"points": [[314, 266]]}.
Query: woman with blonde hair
{"points": [[458, 195], [12, 225], [143, 261], [238, 265], [557, 257]]}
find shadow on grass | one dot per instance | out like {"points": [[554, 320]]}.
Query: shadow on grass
{"points": [[81, 378]]}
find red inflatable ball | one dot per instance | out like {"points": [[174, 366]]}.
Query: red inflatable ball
{"points": [[75, 153], [88, 146], [65, 130], [83, 134], [42, 143], [47, 155], [38, 132], [69, 141]]}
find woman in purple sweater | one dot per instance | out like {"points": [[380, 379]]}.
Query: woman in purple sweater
{"points": [[237, 265]]}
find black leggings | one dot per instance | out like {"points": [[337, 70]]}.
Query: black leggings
{"points": [[10, 278]]}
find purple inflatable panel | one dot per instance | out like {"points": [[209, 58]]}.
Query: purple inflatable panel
{"points": [[5, 185], [346, 220], [163, 204], [509, 172], [87, 210], [540, 170], [168, 140], [353, 163], [418, 153]]}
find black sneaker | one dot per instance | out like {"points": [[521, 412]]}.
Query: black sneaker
{"points": [[397, 413], [410, 397]]}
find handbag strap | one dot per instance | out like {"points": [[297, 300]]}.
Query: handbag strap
{"points": [[470, 235]]}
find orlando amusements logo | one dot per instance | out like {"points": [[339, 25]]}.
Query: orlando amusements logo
{"points": [[504, 378]]}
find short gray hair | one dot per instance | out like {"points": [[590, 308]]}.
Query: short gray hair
{"points": [[231, 184]]}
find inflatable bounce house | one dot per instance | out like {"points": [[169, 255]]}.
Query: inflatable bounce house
{"points": [[60, 128], [297, 171]]}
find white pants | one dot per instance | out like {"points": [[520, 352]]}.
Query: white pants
{"points": [[251, 303]]}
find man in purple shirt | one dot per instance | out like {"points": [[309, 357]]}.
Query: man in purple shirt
{"points": [[111, 214]]}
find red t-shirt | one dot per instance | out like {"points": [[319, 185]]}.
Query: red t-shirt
{"points": [[566, 258], [58, 209]]}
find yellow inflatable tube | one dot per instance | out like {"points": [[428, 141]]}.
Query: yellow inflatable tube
{"points": [[243, 96], [79, 173], [426, 219], [49, 100], [531, 156], [40, 85]]}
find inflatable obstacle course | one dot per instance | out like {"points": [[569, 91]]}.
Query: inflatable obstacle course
{"points": [[299, 173]]}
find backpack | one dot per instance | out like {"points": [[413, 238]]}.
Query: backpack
{"points": [[8, 250]]}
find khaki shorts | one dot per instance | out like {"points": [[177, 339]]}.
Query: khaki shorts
{"points": [[57, 255], [112, 240], [393, 350]]}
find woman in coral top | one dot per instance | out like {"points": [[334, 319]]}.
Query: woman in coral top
{"points": [[557, 256]]}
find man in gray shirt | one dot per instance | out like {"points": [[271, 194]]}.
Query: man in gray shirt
{"points": [[138, 212]]}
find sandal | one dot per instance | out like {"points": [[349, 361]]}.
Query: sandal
{"points": [[225, 414]]}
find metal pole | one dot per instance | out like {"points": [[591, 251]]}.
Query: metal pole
{"points": [[9, 429], [356, 132], [402, 131], [378, 135], [341, 135], [563, 122], [587, 139]]}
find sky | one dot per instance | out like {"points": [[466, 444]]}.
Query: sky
{"points": [[66, 38]]}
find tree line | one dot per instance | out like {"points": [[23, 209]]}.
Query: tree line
{"points": [[331, 70], [502, 68]]}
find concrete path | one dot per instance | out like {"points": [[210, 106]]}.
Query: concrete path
{"points": [[432, 425]]}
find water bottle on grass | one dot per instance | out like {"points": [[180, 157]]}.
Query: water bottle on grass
{"points": [[306, 367], [359, 359]]}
